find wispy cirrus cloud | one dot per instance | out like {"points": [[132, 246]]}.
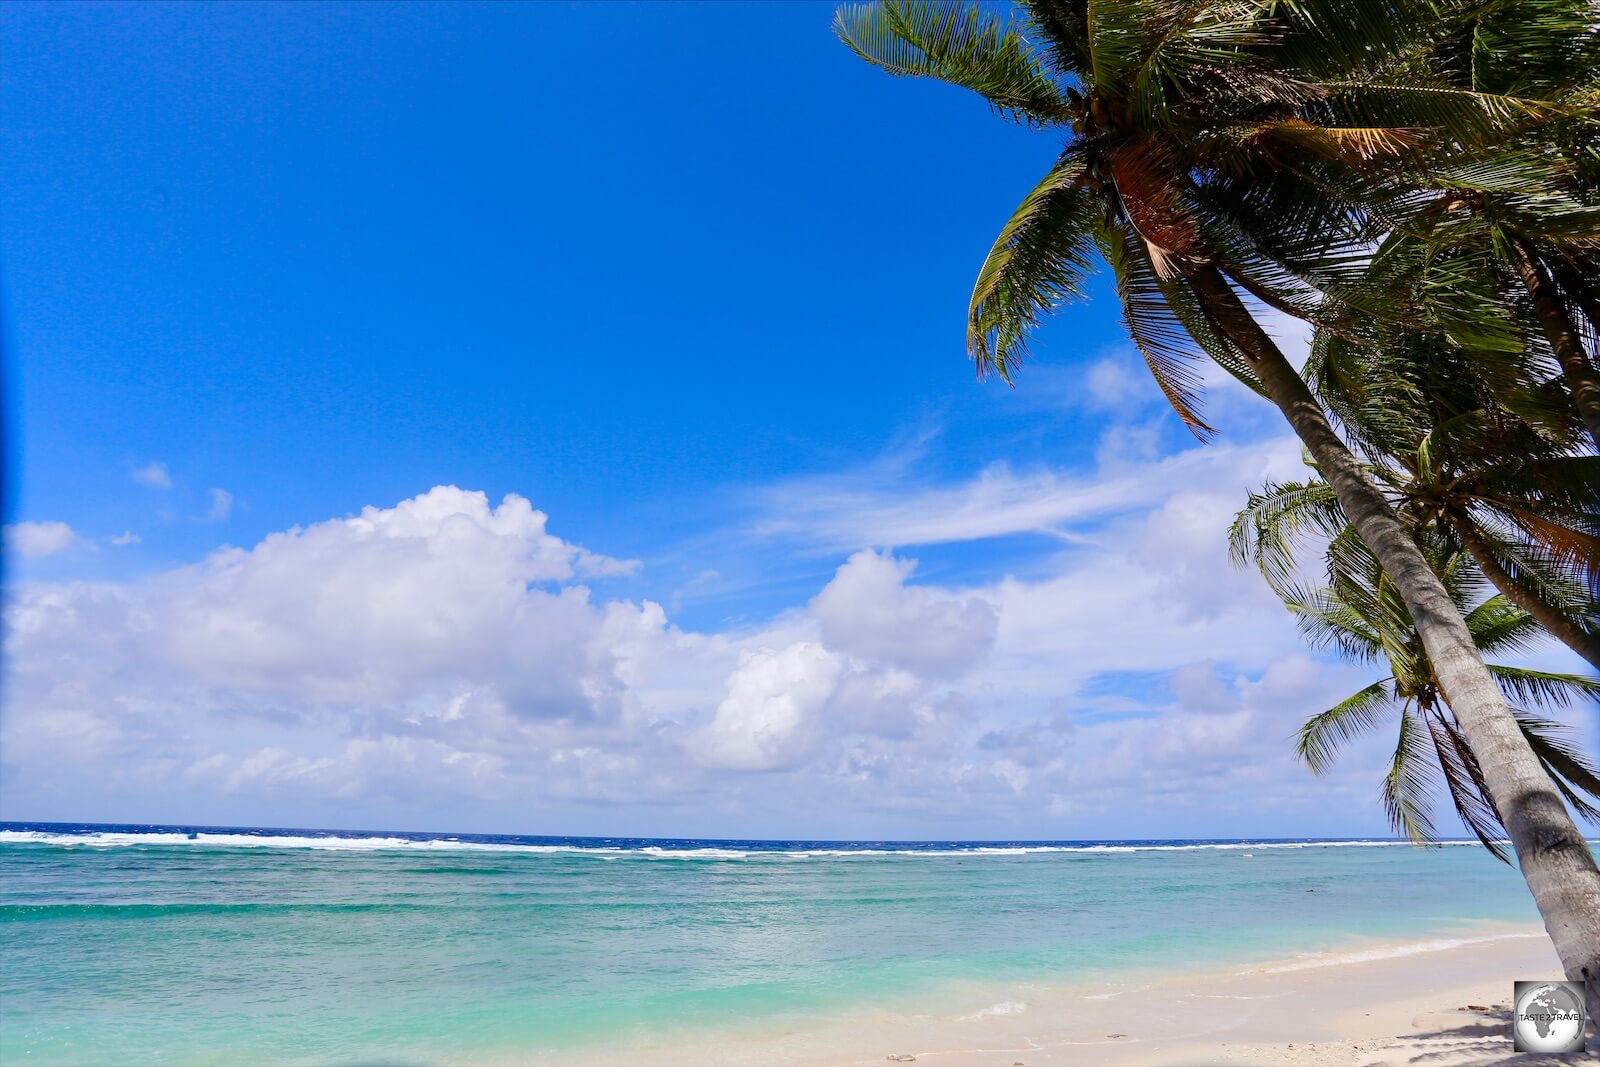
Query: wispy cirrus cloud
{"points": [[840, 511]]}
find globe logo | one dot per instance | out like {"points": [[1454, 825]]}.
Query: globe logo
{"points": [[1549, 1017]]}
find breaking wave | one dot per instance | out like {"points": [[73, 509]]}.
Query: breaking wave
{"points": [[90, 836]]}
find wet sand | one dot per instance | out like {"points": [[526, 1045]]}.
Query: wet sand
{"points": [[1439, 1002]]}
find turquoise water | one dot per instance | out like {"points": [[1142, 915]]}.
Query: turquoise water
{"points": [[133, 948]]}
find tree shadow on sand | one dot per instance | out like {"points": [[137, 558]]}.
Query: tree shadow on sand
{"points": [[1484, 1040]]}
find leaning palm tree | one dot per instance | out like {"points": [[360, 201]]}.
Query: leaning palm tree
{"points": [[1505, 533], [1510, 487], [1210, 150], [1362, 617]]}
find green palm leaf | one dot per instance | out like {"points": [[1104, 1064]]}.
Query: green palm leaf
{"points": [[1545, 688], [1408, 785], [1039, 261], [1464, 780], [1320, 739], [1571, 771], [959, 43], [1157, 312], [1497, 625], [1275, 519]]}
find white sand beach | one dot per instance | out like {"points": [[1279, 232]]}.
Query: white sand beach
{"points": [[1439, 1002]]}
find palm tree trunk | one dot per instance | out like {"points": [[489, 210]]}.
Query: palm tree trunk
{"points": [[1555, 859], [1582, 378], [1555, 621]]}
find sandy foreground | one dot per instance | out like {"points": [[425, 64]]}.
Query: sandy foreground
{"points": [[1432, 1003]]}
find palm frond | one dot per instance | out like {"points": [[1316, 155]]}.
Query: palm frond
{"points": [[1452, 115], [1408, 785], [960, 43], [1040, 259], [1339, 39], [1275, 520], [1568, 768], [1327, 623], [1154, 311], [1201, 43], [1497, 625], [1319, 740], [1544, 688], [1060, 28], [1469, 793]]}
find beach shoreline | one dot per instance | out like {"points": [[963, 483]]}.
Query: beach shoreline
{"points": [[519, 953], [1437, 1000]]}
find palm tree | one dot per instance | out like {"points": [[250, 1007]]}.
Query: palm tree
{"points": [[1525, 248], [1361, 615], [1499, 268], [1468, 509], [1453, 462], [1201, 143]]}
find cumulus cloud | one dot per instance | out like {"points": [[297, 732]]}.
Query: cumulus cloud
{"points": [[449, 653], [444, 643], [1225, 740], [1183, 540], [153, 474], [32, 540], [769, 717], [392, 602], [868, 611]]}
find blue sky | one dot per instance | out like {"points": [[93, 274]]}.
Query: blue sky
{"points": [[596, 254], [687, 279]]}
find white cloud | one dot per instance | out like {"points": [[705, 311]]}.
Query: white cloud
{"points": [[126, 537], [1227, 739], [768, 719], [154, 474], [32, 540], [445, 656], [1198, 687], [373, 607], [847, 511], [441, 647], [868, 611], [221, 505], [1114, 382]]}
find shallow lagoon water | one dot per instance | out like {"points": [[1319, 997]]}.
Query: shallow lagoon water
{"points": [[131, 946]]}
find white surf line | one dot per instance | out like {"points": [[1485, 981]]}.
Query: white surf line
{"points": [[1311, 961]]}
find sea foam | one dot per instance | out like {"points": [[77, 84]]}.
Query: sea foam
{"points": [[334, 841], [1311, 960]]}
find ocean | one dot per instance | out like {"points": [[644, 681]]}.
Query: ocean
{"points": [[180, 945]]}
